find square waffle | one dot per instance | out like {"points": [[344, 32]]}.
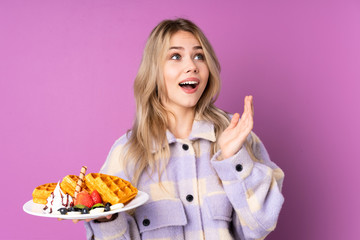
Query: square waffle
{"points": [[42, 192], [112, 189], [68, 185]]}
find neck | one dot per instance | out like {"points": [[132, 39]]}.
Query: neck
{"points": [[181, 121]]}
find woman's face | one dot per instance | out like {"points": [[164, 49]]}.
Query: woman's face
{"points": [[185, 71]]}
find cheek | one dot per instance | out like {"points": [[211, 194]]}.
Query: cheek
{"points": [[169, 74], [204, 86], [204, 69], [166, 78], [206, 75]]}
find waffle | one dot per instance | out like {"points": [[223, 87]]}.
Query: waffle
{"points": [[68, 185], [42, 192], [111, 189]]}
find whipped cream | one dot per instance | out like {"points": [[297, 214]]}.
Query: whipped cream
{"points": [[116, 206], [97, 210], [58, 199]]}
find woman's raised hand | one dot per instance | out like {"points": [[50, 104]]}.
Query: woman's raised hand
{"points": [[234, 136]]}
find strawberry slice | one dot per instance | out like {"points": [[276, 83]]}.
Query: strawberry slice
{"points": [[96, 197], [84, 198]]}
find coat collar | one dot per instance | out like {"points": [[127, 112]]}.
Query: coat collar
{"points": [[201, 129]]}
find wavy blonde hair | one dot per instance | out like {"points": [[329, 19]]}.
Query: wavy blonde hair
{"points": [[147, 147]]}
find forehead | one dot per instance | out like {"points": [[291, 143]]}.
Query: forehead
{"points": [[183, 39]]}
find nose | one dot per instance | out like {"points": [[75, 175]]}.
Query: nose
{"points": [[191, 66]]}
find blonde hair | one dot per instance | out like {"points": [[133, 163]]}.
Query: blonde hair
{"points": [[147, 147]]}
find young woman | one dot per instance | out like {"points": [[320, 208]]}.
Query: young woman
{"points": [[207, 174]]}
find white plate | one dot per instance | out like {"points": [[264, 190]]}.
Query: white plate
{"points": [[37, 209]]}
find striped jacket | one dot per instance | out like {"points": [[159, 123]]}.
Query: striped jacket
{"points": [[201, 197]]}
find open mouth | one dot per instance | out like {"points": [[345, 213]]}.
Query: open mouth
{"points": [[188, 84]]}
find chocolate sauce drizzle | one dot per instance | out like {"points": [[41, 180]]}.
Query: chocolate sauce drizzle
{"points": [[66, 204]]}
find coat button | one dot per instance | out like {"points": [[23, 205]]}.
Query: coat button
{"points": [[189, 198], [185, 147], [146, 222], [239, 167]]}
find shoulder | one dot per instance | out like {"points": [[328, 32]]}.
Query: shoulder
{"points": [[120, 142], [119, 145], [112, 165]]}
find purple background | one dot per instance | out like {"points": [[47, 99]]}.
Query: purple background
{"points": [[66, 75]]}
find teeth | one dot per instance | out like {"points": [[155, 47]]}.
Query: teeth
{"points": [[189, 82]]}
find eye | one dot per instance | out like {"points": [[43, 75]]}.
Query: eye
{"points": [[199, 56], [175, 56]]}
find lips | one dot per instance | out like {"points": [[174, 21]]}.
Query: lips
{"points": [[189, 85]]}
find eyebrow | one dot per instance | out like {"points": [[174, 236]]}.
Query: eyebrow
{"points": [[181, 48]]}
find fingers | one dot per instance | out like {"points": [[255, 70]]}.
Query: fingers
{"points": [[252, 106], [248, 104], [246, 120], [87, 220], [74, 220], [234, 120], [248, 107]]}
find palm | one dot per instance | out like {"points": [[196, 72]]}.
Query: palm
{"points": [[234, 136]]}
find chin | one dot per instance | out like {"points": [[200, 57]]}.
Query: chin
{"points": [[190, 104]]}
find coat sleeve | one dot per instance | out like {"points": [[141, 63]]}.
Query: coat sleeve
{"points": [[253, 185], [124, 227]]}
